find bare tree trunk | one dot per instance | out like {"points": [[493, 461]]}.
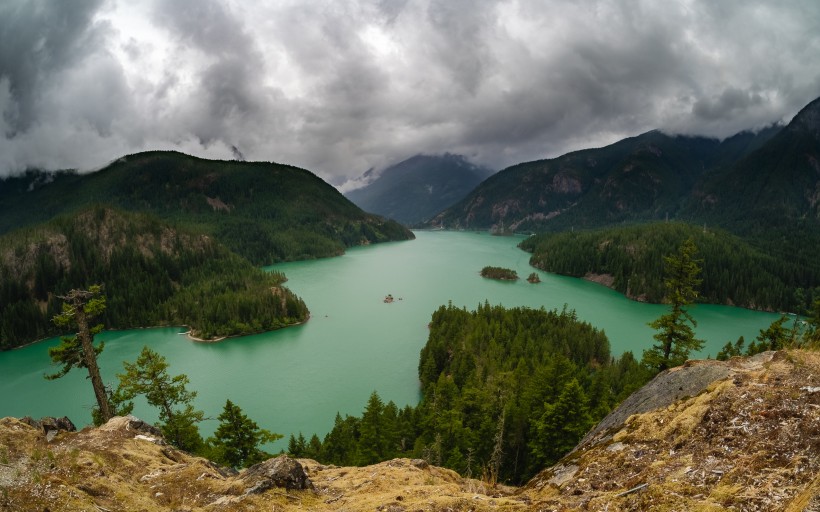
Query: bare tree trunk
{"points": [[90, 357]]}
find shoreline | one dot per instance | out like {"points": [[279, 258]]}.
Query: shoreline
{"points": [[186, 333], [223, 338]]}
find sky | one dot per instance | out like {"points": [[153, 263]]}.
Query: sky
{"points": [[339, 87]]}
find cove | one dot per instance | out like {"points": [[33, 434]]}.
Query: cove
{"points": [[296, 379]]}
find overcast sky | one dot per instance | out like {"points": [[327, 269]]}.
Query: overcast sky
{"points": [[340, 86]]}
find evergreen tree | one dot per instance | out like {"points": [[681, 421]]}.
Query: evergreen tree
{"points": [[237, 439], [730, 350], [148, 376], [774, 337], [314, 448], [371, 442], [561, 426], [675, 337], [78, 351]]}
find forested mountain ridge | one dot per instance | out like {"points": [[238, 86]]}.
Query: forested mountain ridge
{"points": [[265, 212], [153, 273], [629, 259], [415, 189], [636, 179]]}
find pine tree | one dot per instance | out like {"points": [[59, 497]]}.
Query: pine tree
{"points": [[562, 424], [371, 441], [675, 337], [237, 439], [78, 351], [148, 376], [774, 337]]}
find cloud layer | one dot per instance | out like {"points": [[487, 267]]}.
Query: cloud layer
{"points": [[341, 87]]}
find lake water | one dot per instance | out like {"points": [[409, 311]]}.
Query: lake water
{"points": [[296, 379]]}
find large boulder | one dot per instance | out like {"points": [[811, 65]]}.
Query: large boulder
{"points": [[281, 471]]}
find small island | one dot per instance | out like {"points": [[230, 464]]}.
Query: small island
{"points": [[504, 274], [533, 278]]}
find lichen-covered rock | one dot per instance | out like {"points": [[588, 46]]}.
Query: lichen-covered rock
{"points": [[281, 471]]}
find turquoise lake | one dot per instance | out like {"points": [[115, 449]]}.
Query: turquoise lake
{"points": [[296, 379]]}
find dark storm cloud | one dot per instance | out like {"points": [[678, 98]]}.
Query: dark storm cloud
{"points": [[38, 39], [341, 87]]}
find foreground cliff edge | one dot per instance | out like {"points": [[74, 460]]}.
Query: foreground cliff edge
{"points": [[739, 435]]}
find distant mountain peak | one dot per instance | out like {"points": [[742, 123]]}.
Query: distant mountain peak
{"points": [[808, 119], [418, 187]]}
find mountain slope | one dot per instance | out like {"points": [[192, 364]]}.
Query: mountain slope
{"points": [[777, 183], [266, 212], [640, 178], [414, 190], [710, 435], [153, 274]]}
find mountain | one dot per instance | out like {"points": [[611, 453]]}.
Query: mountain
{"points": [[265, 212], [153, 274], [775, 184], [414, 190], [640, 178], [709, 435]]}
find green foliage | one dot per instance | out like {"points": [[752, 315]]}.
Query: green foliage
{"points": [[675, 337], [497, 385], [504, 274], [774, 337], [237, 439], [561, 425], [148, 376], [734, 272], [731, 350], [156, 274]]}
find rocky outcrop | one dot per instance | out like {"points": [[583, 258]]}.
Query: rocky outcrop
{"points": [[736, 435], [50, 425], [281, 471]]}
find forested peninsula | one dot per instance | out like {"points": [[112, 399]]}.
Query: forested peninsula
{"points": [[153, 274], [506, 392], [630, 260]]}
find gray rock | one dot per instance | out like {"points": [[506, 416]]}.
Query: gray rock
{"points": [[138, 425], [281, 471], [50, 425], [666, 388], [420, 463]]}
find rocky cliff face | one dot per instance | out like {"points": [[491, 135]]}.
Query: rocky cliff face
{"points": [[739, 435]]}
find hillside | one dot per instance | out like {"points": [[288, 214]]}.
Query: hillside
{"points": [[265, 212], [153, 274], [630, 260], [640, 178], [741, 435], [415, 189]]}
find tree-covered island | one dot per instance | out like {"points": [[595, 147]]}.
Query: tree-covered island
{"points": [[503, 274]]}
